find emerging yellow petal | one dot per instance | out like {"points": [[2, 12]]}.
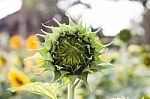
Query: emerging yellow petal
{"points": [[32, 42], [15, 42], [17, 78], [33, 63], [39, 62]]}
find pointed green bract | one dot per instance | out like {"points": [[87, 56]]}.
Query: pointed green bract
{"points": [[102, 66]]}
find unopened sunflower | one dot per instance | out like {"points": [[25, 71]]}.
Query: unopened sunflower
{"points": [[15, 42], [17, 78], [71, 51], [125, 35], [32, 42]]}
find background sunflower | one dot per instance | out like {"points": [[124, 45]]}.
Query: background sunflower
{"points": [[17, 78]]}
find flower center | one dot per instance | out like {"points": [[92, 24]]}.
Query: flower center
{"points": [[19, 81], [72, 53]]}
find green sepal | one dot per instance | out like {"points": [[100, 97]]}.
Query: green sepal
{"points": [[86, 38], [80, 28], [92, 35], [57, 75], [56, 30], [94, 67], [73, 30], [102, 66], [65, 28], [97, 58], [71, 23], [72, 78], [63, 73], [48, 42], [52, 37], [106, 45], [87, 70], [44, 89], [46, 55], [98, 47], [43, 52], [83, 77]]}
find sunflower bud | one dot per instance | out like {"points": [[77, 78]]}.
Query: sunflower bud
{"points": [[125, 35], [71, 50]]}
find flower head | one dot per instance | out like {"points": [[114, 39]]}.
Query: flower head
{"points": [[15, 42], [125, 35], [71, 51], [32, 42], [17, 78]]}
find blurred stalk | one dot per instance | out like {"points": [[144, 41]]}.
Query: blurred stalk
{"points": [[124, 61]]}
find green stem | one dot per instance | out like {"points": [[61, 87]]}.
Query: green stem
{"points": [[71, 89]]}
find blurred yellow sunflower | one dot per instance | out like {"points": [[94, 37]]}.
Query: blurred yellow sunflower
{"points": [[15, 42], [17, 78], [2, 61], [32, 42]]}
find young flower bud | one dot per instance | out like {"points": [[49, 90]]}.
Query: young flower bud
{"points": [[71, 50]]}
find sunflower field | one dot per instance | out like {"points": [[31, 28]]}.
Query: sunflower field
{"points": [[74, 49]]}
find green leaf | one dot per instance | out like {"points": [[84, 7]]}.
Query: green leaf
{"points": [[108, 44], [40, 88]]}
